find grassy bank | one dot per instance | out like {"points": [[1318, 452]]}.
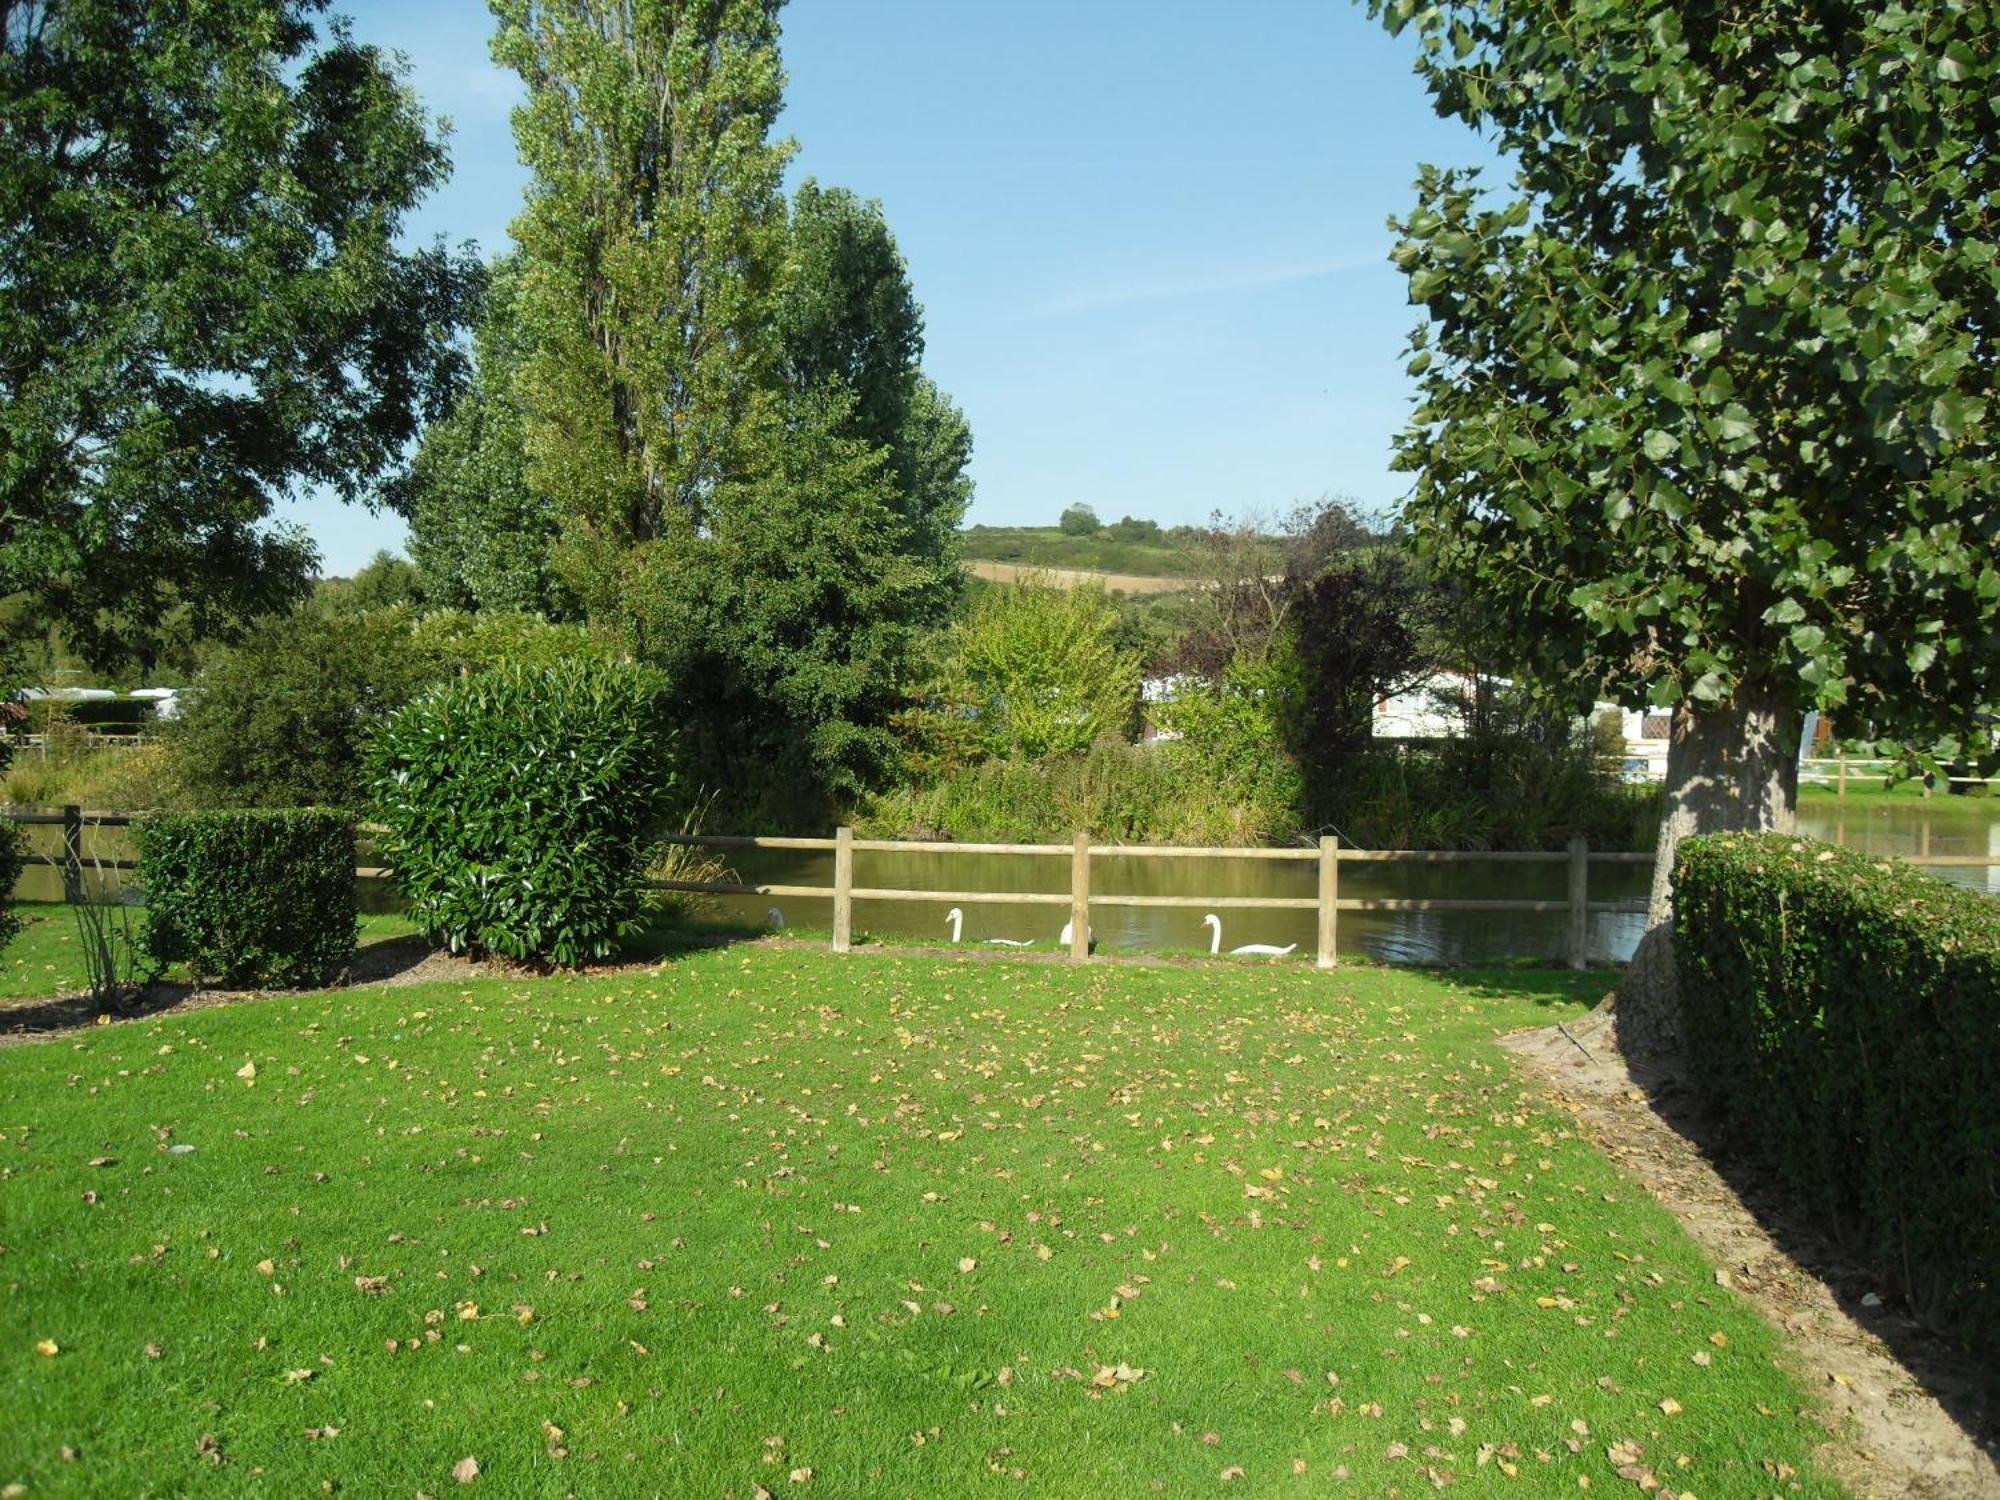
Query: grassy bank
{"points": [[1050, 547], [876, 1225], [1874, 793]]}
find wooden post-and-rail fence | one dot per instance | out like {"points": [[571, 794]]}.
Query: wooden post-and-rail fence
{"points": [[1327, 903]]}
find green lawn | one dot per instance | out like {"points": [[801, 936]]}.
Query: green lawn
{"points": [[45, 959], [889, 1224]]}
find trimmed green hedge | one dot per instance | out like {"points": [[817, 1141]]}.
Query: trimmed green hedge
{"points": [[257, 896], [522, 805], [1843, 1014]]}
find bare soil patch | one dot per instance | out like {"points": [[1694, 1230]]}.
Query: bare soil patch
{"points": [[1909, 1414]]}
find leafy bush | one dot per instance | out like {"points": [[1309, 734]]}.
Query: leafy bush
{"points": [[283, 720], [1162, 793], [121, 778], [1030, 671], [521, 805], [1229, 748], [1842, 1013], [1501, 790], [260, 896]]}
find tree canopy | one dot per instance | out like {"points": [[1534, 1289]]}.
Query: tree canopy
{"points": [[719, 393], [202, 306], [1706, 395], [1705, 411], [480, 533]]}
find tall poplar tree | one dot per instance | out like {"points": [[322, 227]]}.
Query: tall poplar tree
{"points": [[721, 400], [652, 234]]}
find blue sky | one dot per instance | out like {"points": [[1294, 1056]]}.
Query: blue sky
{"points": [[1148, 235]]}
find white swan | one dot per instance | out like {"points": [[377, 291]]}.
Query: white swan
{"points": [[1069, 929], [776, 918], [1248, 949], [956, 916]]}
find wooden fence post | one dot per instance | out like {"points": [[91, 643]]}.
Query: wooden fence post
{"points": [[843, 888], [72, 853], [1843, 776], [1579, 898], [1329, 900], [1079, 898]]}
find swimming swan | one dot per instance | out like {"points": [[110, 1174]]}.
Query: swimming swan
{"points": [[956, 916], [1248, 950]]}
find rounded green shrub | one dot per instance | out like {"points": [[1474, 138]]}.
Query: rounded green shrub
{"points": [[521, 807], [255, 896]]}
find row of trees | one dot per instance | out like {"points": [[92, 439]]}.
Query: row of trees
{"points": [[698, 417]]}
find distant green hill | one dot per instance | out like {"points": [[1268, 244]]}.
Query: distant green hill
{"points": [[1047, 547]]}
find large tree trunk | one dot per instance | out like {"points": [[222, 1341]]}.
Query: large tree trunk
{"points": [[1734, 768]]}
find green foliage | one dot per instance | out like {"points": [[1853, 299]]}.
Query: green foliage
{"points": [[283, 720], [1032, 671], [846, 313], [1706, 404], [480, 533], [1133, 529], [384, 582], [1230, 740], [124, 778], [848, 321], [1357, 635], [1159, 793], [649, 253], [785, 625], [204, 306], [1841, 1012], [521, 807], [262, 897], [1500, 791], [1079, 520], [752, 483], [1049, 547]]}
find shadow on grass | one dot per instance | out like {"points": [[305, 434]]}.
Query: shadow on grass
{"points": [[380, 961], [1659, 1127], [1544, 986]]}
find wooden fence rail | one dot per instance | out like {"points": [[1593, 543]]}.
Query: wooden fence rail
{"points": [[1327, 903]]}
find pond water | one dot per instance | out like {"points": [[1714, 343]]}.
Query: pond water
{"points": [[1453, 937], [1875, 826]]}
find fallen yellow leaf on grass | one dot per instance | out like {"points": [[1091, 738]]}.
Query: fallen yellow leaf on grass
{"points": [[48, 1348], [465, 1470], [248, 1072]]}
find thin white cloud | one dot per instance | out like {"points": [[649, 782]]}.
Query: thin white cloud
{"points": [[1169, 285]]}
